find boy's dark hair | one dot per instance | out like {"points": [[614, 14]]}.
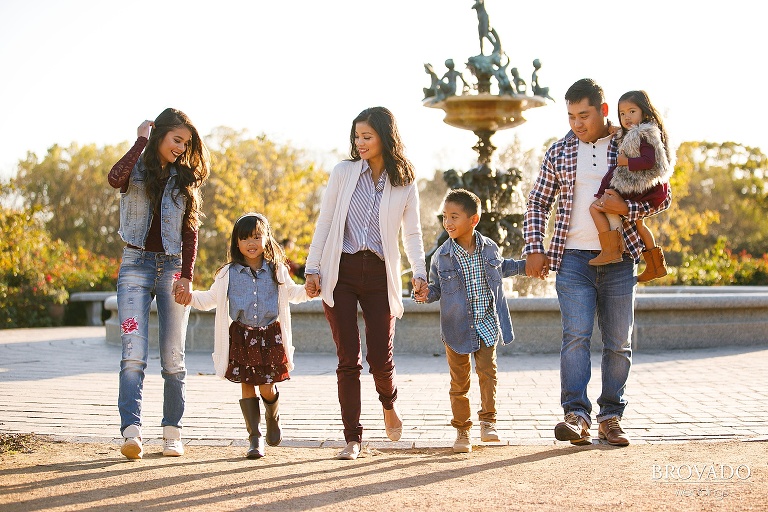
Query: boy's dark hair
{"points": [[585, 88], [468, 201]]}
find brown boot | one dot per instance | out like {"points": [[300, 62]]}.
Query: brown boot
{"points": [[610, 245], [655, 266]]}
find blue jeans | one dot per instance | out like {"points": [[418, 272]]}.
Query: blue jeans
{"points": [[584, 291], [144, 275]]}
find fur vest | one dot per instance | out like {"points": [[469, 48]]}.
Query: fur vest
{"points": [[627, 182]]}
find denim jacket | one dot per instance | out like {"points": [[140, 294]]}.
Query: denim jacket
{"points": [[136, 212], [446, 284]]}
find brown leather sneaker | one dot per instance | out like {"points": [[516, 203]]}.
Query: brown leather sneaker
{"points": [[573, 429], [610, 430]]}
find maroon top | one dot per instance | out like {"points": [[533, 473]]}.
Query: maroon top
{"points": [[647, 159], [119, 177]]}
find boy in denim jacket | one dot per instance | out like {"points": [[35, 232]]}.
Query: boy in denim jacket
{"points": [[465, 276]]}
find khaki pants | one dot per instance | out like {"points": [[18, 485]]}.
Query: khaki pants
{"points": [[460, 368]]}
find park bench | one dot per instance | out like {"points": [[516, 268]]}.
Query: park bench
{"points": [[94, 304]]}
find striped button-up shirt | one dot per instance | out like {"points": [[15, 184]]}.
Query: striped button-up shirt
{"points": [[478, 292], [362, 231], [556, 181]]}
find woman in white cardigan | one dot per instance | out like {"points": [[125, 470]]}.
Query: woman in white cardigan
{"points": [[252, 340], [354, 259]]}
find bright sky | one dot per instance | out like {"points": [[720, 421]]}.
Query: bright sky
{"points": [[299, 71]]}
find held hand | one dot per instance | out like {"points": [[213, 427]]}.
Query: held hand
{"points": [[612, 202], [537, 265], [145, 128], [182, 291], [312, 285], [420, 290]]}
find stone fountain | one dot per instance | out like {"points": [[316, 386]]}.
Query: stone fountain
{"points": [[665, 317], [494, 100]]}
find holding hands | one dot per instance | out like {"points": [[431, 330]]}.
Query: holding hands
{"points": [[537, 265], [420, 289], [182, 291], [312, 285]]}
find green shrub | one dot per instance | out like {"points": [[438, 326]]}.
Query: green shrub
{"points": [[37, 274], [718, 266]]}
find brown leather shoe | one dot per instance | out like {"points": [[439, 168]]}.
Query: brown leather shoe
{"points": [[610, 430], [573, 429]]}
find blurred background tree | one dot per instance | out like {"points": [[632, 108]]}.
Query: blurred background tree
{"points": [[257, 175], [60, 218]]}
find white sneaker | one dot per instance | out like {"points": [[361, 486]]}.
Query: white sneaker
{"points": [[488, 432], [132, 448], [172, 445], [173, 448], [463, 443]]}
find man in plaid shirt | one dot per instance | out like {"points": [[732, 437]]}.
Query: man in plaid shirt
{"points": [[570, 175]]}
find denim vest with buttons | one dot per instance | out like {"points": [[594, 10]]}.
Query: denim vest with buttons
{"points": [[447, 286], [136, 211]]}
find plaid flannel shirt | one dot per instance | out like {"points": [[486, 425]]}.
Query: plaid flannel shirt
{"points": [[555, 181], [478, 292]]}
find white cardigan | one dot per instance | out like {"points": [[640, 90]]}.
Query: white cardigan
{"points": [[399, 208], [218, 297]]}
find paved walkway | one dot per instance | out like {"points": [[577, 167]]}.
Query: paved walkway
{"points": [[64, 381]]}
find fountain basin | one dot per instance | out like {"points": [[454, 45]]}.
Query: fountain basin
{"points": [[486, 112]]}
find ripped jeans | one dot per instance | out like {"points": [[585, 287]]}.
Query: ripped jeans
{"points": [[144, 275]]}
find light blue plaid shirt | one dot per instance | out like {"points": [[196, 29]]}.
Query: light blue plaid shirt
{"points": [[478, 292]]}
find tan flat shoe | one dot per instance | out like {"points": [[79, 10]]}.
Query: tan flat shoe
{"points": [[393, 425]]}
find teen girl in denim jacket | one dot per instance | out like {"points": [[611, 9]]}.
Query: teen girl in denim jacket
{"points": [[159, 180]]}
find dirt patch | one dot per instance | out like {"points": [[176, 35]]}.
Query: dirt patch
{"points": [[729, 476]]}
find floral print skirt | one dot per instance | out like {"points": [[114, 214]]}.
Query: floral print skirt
{"points": [[256, 354]]}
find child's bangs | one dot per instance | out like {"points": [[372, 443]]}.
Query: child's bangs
{"points": [[249, 224]]}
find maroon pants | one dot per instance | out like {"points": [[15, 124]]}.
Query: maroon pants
{"points": [[363, 280]]}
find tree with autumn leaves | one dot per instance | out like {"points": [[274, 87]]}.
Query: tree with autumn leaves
{"points": [[60, 218]]}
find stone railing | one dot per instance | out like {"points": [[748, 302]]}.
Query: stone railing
{"points": [[665, 318]]}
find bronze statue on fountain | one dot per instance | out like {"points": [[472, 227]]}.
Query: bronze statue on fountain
{"points": [[484, 113]]}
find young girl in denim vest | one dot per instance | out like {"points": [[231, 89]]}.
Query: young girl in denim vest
{"points": [[252, 341], [159, 181]]}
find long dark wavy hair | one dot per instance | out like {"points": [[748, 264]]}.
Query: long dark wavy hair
{"points": [[399, 168], [640, 98], [192, 166], [246, 226]]}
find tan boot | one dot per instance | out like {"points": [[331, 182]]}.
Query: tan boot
{"points": [[655, 266], [610, 245]]}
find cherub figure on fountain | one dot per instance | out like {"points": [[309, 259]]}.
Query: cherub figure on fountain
{"points": [[536, 88]]}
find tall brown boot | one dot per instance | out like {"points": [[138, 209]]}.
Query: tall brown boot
{"points": [[272, 417], [610, 245], [655, 266], [252, 415]]}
